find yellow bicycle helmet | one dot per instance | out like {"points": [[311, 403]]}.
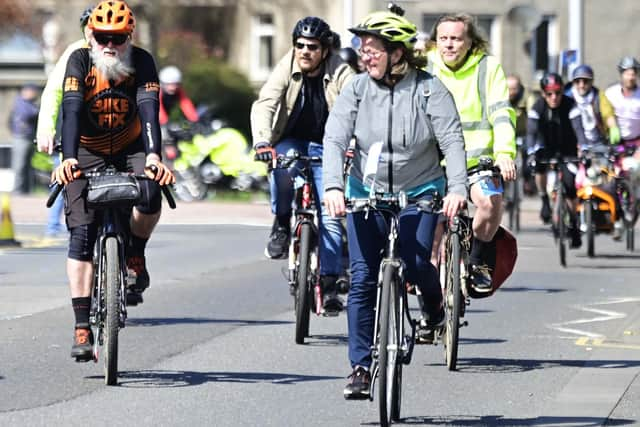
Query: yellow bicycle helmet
{"points": [[389, 26]]}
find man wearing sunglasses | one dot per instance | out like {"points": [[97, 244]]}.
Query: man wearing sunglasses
{"points": [[110, 117], [290, 113], [554, 128]]}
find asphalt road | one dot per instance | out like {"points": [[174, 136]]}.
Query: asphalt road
{"points": [[213, 344]]}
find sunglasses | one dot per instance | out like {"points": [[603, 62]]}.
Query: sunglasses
{"points": [[311, 46], [115, 39]]}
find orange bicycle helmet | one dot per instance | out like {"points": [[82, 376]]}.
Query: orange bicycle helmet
{"points": [[112, 16]]}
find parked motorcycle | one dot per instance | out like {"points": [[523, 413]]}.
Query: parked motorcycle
{"points": [[211, 156]]}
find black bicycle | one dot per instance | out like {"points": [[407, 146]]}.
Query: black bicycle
{"points": [[561, 221], [513, 192], [111, 278], [303, 248], [394, 327]]}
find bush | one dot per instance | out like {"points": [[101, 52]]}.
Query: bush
{"points": [[225, 90]]}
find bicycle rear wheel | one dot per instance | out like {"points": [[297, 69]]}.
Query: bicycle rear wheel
{"points": [[452, 300], [303, 290], [388, 387], [112, 277]]}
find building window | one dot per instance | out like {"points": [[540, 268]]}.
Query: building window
{"points": [[262, 41]]}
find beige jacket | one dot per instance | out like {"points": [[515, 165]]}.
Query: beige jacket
{"points": [[270, 112]]}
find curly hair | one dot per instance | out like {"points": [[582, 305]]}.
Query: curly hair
{"points": [[478, 42]]}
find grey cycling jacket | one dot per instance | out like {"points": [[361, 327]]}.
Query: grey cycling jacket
{"points": [[412, 119]]}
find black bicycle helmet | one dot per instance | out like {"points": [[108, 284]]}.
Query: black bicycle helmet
{"points": [[628, 62], [582, 72], [313, 27], [349, 56], [84, 17], [551, 82]]}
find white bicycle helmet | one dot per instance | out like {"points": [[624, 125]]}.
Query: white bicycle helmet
{"points": [[170, 75]]}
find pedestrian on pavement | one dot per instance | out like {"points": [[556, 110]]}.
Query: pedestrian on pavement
{"points": [[22, 123]]}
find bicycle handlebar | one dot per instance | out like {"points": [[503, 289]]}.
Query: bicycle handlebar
{"points": [[57, 188], [283, 161], [394, 202]]}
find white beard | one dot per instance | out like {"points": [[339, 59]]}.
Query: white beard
{"points": [[112, 67]]}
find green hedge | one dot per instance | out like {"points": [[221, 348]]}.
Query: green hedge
{"points": [[224, 89]]}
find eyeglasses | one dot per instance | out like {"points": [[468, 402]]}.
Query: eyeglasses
{"points": [[115, 39], [554, 93], [311, 46], [365, 55]]}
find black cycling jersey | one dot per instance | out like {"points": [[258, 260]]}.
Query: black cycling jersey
{"points": [[106, 116], [556, 130]]}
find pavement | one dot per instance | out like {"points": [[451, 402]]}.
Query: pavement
{"points": [[31, 209]]}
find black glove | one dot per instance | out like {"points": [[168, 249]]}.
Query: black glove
{"points": [[264, 152]]}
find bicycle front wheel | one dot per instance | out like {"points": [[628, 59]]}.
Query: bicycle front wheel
{"points": [[303, 290], [587, 211], [112, 279], [561, 227], [388, 388], [452, 300]]}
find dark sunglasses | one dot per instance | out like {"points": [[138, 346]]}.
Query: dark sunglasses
{"points": [[115, 39], [311, 46]]}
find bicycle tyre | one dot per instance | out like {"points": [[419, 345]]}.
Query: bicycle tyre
{"points": [[514, 206], [452, 300], [396, 385], [561, 227], [587, 209], [112, 277], [385, 385], [303, 289], [630, 237]]}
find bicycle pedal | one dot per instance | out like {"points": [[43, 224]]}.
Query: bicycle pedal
{"points": [[84, 359], [331, 313]]}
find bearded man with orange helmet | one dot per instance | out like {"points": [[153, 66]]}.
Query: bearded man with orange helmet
{"points": [[110, 116]]}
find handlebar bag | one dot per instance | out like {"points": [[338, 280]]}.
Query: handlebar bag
{"points": [[112, 190]]}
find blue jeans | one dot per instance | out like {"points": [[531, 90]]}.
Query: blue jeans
{"points": [[54, 226], [282, 191], [367, 240]]}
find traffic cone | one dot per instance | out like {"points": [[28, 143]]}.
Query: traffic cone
{"points": [[6, 225]]}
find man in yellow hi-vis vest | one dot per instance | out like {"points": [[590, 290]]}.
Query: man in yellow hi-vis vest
{"points": [[478, 84]]}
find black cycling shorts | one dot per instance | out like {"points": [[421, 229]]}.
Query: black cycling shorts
{"points": [[131, 159]]}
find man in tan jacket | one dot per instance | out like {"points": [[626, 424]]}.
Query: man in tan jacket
{"points": [[290, 113]]}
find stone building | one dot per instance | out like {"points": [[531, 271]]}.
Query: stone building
{"points": [[256, 33]]}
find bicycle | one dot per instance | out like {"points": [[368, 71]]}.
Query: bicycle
{"points": [[561, 217], [457, 267], [303, 273], [394, 328], [111, 280], [624, 162], [513, 192]]}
